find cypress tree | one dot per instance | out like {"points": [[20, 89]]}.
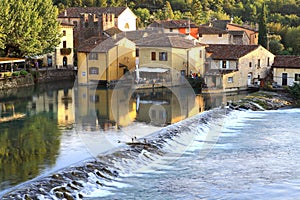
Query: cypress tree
{"points": [[262, 34]]}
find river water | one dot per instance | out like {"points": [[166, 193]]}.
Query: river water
{"points": [[59, 140]]}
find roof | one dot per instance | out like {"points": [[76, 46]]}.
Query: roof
{"points": [[90, 44], [66, 24], [236, 33], [245, 26], [167, 40], [10, 60], [112, 31], [210, 30], [181, 23], [283, 61], [229, 51], [221, 24], [75, 12]]}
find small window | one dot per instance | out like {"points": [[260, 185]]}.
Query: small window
{"points": [[268, 61], [230, 80], [137, 52], [93, 56], [200, 54], [75, 23], [297, 77], [64, 44], [94, 70], [64, 33], [153, 56], [163, 56], [250, 64], [224, 64], [200, 35], [94, 98], [171, 30], [220, 35], [258, 63], [126, 26]]}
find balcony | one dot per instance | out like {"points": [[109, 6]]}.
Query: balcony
{"points": [[65, 51]]}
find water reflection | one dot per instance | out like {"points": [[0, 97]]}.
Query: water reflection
{"points": [[34, 121]]}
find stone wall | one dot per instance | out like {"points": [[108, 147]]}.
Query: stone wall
{"points": [[14, 82], [55, 75]]}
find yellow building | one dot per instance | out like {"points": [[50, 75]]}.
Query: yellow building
{"points": [[286, 70], [212, 35], [63, 55], [169, 56], [105, 61], [236, 67]]}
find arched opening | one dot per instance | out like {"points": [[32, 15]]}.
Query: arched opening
{"points": [[65, 61], [126, 26]]}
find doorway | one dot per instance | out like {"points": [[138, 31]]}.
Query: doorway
{"points": [[284, 78]]}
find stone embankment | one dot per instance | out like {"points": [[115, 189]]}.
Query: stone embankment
{"points": [[14, 82], [55, 75], [263, 100]]}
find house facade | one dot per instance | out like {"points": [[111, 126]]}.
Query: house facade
{"points": [[252, 34], [176, 26], [104, 61], [212, 35], [286, 70], [93, 21], [63, 54], [170, 57], [236, 67]]}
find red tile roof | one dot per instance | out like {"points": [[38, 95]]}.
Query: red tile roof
{"points": [[229, 51], [282, 61], [75, 12], [90, 44]]}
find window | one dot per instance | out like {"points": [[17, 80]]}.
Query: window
{"points": [[268, 61], [75, 23], [258, 63], [250, 64], [220, 35], [230, 80], [93, 56], [200, 35], [126, 26], [297, 77], [93, 70], [153, 56], [64, 44], [94, 98], [171, 30], [224, 64], [64, 33], [137, 52], [200, 54], [163, 56]]}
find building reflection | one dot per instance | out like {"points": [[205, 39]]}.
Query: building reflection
{"points": [[110, 109]]}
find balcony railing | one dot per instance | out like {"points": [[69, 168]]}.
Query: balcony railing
{"points": [[65, 51]]}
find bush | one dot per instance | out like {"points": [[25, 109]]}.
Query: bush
{"points": [[15, 74], [294, 90], [23, 72]]}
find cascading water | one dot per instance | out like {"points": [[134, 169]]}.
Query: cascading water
{"points": [[96, 178]]}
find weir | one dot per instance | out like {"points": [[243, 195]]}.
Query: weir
{"points": [[98, 175]]}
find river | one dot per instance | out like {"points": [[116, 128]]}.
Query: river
{"points": [[193, 148]]}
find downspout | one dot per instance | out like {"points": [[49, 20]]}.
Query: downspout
{"points": [[107, 76], [87, 68]]}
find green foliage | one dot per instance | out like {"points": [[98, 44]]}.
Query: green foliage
{"points": [[143, 15], [293, 40], [15, 74], [30, 27], [262, 35], [23, 72], [295, 91]]}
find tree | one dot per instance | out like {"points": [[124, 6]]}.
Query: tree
{"points": [[262, 34], [30, 27], [168, 11], [103, 3], [293, 40], [143, 16], [77, 3]]}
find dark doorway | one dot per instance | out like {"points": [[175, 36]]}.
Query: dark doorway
{"points": [[284, 78]]}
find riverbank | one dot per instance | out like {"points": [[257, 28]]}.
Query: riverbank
{"points": [[265, 100]]}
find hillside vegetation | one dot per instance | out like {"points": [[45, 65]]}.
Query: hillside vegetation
{"points": [[283, 16]]}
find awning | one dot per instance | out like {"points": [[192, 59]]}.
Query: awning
{"points": [[153, 69], [4, 60]]}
